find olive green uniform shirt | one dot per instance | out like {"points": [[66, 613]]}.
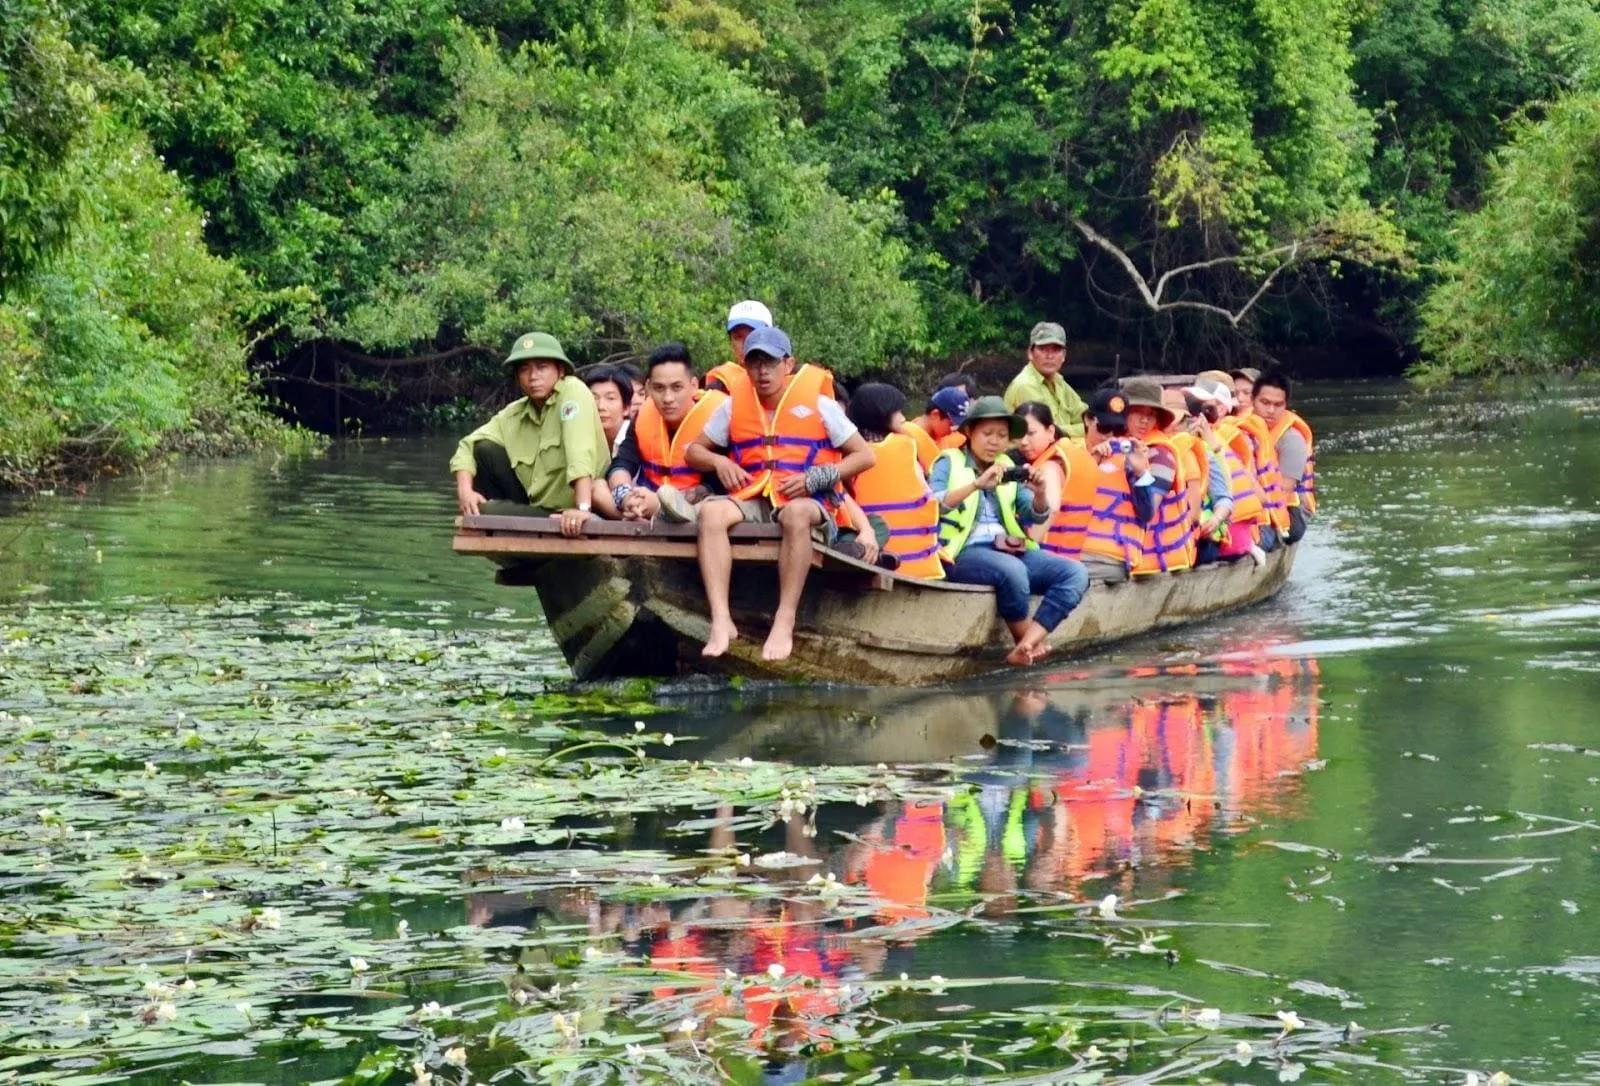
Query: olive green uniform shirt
{"points": [[550, 445], [1066, 406]]}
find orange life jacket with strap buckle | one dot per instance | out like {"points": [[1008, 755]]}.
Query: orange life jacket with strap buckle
{"points": [[1114, 531], [1168, 543], [662, 453], [895, 489], [1070, 522], [789, 442], [1304, 493]]}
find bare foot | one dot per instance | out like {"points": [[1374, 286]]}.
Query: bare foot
{"points": [[721, 637], [1021, 656], [780, 643], [1040, 651]]}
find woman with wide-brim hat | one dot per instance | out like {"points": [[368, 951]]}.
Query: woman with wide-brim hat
{"points": [[985, 510]]}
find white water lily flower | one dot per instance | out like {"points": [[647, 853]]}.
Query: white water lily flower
{"points": [[520, 997], [1208, 1018], [456, 1057], [1291, 1021], [1242, 1051], [744, 859], [636, 1053], [82, 1021], [500, 752], [188, 984], [155, 991], [358, 965], [1108, 907], [667, 740], [511, 825], [430, 1010], [775, 971], [46, 814], [638, 725], [592, 954], [421, 1076], [166, 1012], [1291, 1072], [747, 760], [243, 1008], [1473, 1079], [1499, 1078], [863, 798], [688, 1025], [269, 918], [937, 981], [151, 769], [403, 928], [1092, 1052]]}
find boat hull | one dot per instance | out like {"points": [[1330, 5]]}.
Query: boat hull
{"points": [[645, 615]]}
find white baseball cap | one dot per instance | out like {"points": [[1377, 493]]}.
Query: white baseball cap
{"points": [[1211, 391], [752, 314]]}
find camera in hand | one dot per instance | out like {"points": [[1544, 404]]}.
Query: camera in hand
{"points": [[1017, 474]]}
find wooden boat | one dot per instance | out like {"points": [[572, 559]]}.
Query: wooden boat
{"points": [[625, 600]]}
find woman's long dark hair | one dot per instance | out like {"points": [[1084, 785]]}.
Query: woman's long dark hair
{"points": [[873, 408]]}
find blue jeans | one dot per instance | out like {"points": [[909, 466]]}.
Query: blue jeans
{"points": [[1269, 538], [1061, 581]]}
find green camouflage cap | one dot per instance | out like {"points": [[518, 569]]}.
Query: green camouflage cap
{"points": [[538, 345], [1047, 334], [993, 407]]}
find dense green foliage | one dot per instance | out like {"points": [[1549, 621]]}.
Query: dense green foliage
{"points": [[896, 177], [120, 331], [1524, 289]]}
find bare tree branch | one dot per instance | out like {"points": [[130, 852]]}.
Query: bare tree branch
{"points": [[1286, 255]]}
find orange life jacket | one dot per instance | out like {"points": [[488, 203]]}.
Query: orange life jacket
{"points": [[953, 440], [896, 490], [726, 377], [789, 442], [1266, 464], [662, 453], [1197, 462], [1305, 489], [1070, 521], [1114, 530], [1239, 459], [1168, 543], [927, 448]]}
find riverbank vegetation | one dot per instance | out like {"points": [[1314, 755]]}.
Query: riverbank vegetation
{"points": [[348, 198]]}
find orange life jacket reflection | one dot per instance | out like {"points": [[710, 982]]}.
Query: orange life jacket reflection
{"points": [[894, 488], [1070, 522], [663, 453], [1168, 540], [791, 441], [1304, 493]]}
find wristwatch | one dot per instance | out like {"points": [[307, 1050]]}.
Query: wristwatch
{"points": [[584, 507]]}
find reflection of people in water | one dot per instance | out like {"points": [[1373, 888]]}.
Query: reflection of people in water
{"points": [[1064, 798]]}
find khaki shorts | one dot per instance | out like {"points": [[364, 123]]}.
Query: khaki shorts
{"points": [[760, 511]]}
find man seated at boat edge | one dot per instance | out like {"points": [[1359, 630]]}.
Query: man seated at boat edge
{"points": [[1293, 447], [789, 447], [651, 458], [983, 530], [1041, 379], [540, 455]]}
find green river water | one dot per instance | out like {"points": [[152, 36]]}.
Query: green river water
{"points": [[256, 721]]}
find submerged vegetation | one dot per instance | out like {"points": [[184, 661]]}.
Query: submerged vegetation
{"points": [[253, 832]]}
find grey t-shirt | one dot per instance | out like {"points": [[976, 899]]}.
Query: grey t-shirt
{"points": [[1292, 454]]}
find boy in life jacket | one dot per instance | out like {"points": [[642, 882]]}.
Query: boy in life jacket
{"points": [[894, 492], [650, 463], [743, 318], [983, 530], [939, 426], [1292, 440], [781, 447]]}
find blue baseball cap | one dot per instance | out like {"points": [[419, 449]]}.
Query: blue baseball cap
{"points": [[952, 402], [770, 341]]}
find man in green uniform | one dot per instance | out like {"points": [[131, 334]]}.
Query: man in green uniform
{"points": [[1041, 380], [541, 455]]}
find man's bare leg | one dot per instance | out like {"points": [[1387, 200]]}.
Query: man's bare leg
{"points": [[794, 562], [716, 570]]}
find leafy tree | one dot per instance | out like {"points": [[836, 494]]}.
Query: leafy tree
{"points": [[44, 106], [1522, 293], [621, 197]]}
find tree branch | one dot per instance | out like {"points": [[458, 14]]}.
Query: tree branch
{"points": [[346, 355], [1287, 255]]}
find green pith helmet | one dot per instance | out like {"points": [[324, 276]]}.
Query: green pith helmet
{"points": [[993, 407], [538, 345]]}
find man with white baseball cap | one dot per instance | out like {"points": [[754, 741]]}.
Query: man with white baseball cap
{"points": [[743, 318]]}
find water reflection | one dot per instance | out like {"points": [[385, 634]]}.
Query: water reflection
{"points": [[1073, 793]]}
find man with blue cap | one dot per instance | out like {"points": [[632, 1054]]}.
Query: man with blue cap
{"points": [[782, 447], [939, 427]]}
